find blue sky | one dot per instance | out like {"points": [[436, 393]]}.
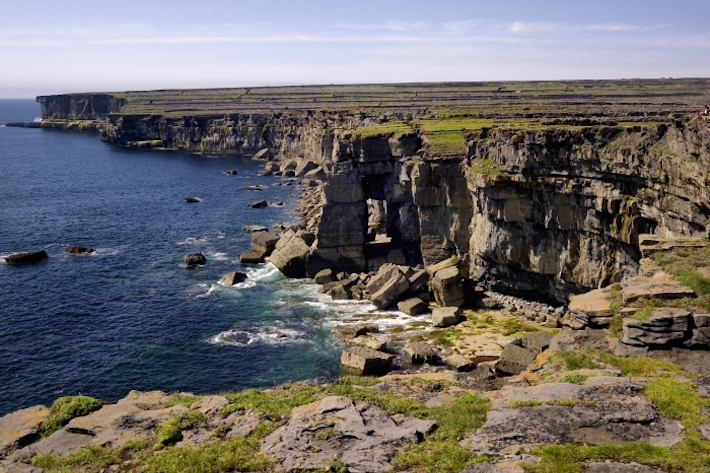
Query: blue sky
{"points": [[68, 46]]}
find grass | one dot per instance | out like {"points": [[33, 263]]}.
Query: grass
{"points": [[641, 366], [682, 264], [170, 431], [484, 166], [87, 459], [674, 400], [384, 129], [574, 378], [557, 402], [179, 399], [648, 306], [441, 451], [65, 409], [677, 400], [576, 361]]}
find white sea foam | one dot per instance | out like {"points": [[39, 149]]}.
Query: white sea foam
{"points": [[104, 252], [209, 291], [193, 241], [217, 256], [269, 336]]}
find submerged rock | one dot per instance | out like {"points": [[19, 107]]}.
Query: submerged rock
{"points": [[192, 199], [31, 257], [79, 250], [258, 204]]}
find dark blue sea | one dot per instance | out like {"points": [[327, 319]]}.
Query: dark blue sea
{"points": [[131, 315]]}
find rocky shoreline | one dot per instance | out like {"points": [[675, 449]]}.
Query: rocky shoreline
{"points": [[554, 279]]}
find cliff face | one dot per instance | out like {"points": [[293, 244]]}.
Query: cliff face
{"points": [[79, 106], [538, 211]]}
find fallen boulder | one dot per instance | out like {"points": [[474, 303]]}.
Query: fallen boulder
{"points": [[362, 437], [596, 305], [30, 257], [700, 337], [254, 228], [252, 257], [421, 352], [258, 204], [447, 286], [443, 317], [365, 361], [460, 363], [290, 255], [666, 325], [537, 342], [413, 306], [263, 242], [323, 276], [194, 259], [235, 277], [345, 333], [387, 286], [371, 341], [514, 359]]}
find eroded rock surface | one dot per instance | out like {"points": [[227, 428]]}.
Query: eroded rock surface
{"points": [[603, 410], [359, 435]]}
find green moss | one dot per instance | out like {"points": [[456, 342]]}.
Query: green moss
{"points": [[274, 404], [326, 434], [170, 431], [65, 409], [694, 280], [574, 378], [648, 306]]}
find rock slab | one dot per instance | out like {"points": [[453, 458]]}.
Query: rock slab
{"points": [[365, 360], [30, 257], [363, 437]]}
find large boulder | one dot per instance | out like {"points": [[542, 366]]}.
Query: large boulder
{"points": [[700, 337], [21, 428], [30, 257], [264, 242], [362, 437], [460, 363], [413, 306], [345, 333], [194, 259], [596, 305], [235, 277], [447, 286], [537, 342], [443, 317], [304, 167], [387, 285], [252, 257], [258, 204], [421, 352], [665, 326], [290, 255], [323, 276], [514, 359], [365, 361]]}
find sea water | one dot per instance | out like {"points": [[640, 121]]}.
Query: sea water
{"points": [[131, 315]]}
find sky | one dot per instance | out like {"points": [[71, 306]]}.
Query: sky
{"points": [[49, 47]]}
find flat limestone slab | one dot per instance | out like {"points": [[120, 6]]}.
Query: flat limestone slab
{"points": [[17, 427], [660, 285], [596, 303]]}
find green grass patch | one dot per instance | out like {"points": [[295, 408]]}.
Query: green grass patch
{"points": [[641, 366], [65, 409], [326, 434], [446, 143], [484, 166], [677, 400], [384, 129], [239, 454], [557, 402], [186, 400], [574, 378], [576, 361], [694, 280], [91, 458], [648, 306], [170, 431], [275, 404], [441, 451]]}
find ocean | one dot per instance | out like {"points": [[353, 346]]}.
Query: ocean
{"points": [[131, 315]]}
